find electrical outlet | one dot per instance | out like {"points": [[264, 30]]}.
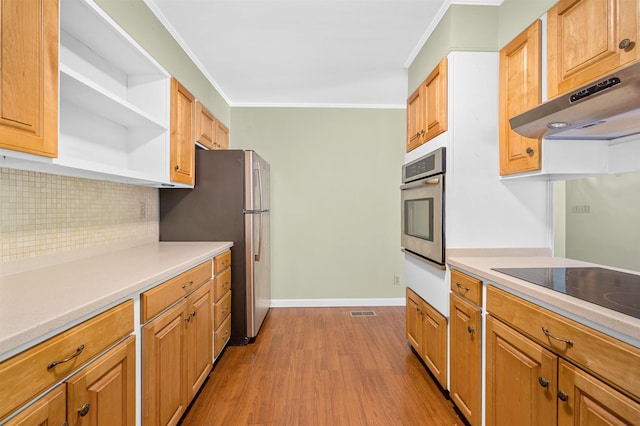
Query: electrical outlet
{"points": [[396, 280], [143, 210]]}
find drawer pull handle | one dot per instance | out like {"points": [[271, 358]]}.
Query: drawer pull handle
{"points": [[54, 363], [186, 286], [563, 396], [543, 382], [545, 330], [84, 410], [460, 286]]}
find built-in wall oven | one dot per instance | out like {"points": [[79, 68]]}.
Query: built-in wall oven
{"points": [[422, 195]]}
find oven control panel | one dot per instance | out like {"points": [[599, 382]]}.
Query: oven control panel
{"points": [[428, 165]]}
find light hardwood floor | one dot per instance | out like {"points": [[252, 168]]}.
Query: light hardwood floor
{"points": [[320, 366]]}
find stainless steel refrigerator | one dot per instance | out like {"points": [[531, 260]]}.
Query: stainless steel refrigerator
{"points": [[229, 202]]}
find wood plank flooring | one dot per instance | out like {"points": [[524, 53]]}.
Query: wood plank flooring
{"points": [[320, 366]]}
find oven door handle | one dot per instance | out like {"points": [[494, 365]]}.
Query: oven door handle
{"points": [[429, 181]]}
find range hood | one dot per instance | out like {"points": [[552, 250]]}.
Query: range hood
{"points": [[608, 108]]}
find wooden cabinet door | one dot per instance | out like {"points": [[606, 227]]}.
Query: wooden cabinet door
{"points": [[586, 40], [519, 92], [585, 400], [104, 393], [222, 136], [205, 126], [164, 362], [465, 357], [415, 119], [29, 76], [434, 342], [199, 338], [51, 409], [435, 98], [521, 380], [182, 134], [414, 320]]}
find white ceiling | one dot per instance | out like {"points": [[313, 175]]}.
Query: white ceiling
{"points": [[304, 52]]}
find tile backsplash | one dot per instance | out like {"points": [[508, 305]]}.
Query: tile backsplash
{"points": [[43, 214]]}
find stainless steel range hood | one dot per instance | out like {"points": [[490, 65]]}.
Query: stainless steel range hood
{"points": [[608, 108]]}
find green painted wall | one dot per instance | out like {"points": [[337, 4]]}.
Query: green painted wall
{"points": [[516, 15], [142, 25], [335, 198], [336, 172], [475, 28]]}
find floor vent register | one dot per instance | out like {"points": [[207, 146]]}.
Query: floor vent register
{"points": [[363, 314]]}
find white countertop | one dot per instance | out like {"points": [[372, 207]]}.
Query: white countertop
{"points": [[616, 324], [40, 301]]}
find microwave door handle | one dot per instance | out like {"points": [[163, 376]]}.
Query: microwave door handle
{"points": [[430, 181]]}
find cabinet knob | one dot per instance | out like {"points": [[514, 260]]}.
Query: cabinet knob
{"points": [[470, 329], [177, 167], [529, 150], [563, 396], [84, 410], [543, 382], [626, 45]]}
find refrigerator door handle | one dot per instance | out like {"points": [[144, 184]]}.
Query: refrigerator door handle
{"points": [[257, 255], [260, 186]]}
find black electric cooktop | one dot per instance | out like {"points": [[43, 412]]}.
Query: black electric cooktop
{"points": [[615, 290]]}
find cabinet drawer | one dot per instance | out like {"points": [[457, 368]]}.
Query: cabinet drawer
{"points": [[221, 336], [162, 296], [221, 262], [468, 287], [27, 374], [221, 310], [612, 360], [221, 284]]}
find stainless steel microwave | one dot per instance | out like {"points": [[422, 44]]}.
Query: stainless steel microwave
{"points": [[422, 196]]}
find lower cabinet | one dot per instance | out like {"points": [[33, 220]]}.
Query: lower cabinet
{"points": [[465, 385], [90, 367], [521, 379], [585, 400], [427, 333], [164, 364], [199, 338], [103, 393], [176, 357], [221, 302], [529, 385], [535, 377], [48, 410]]}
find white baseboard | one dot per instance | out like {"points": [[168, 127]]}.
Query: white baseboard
{"points": [[316, 303]]}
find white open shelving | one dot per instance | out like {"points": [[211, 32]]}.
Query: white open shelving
{"points": [[114, 104]]}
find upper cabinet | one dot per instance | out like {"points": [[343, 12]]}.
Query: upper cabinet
{"points": [[183, 155], [29, 75], [589, 38], [205, 127], [222, 136], [519, 91], [427, 108], [210, 132], [86, 100], [114, 103]]}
